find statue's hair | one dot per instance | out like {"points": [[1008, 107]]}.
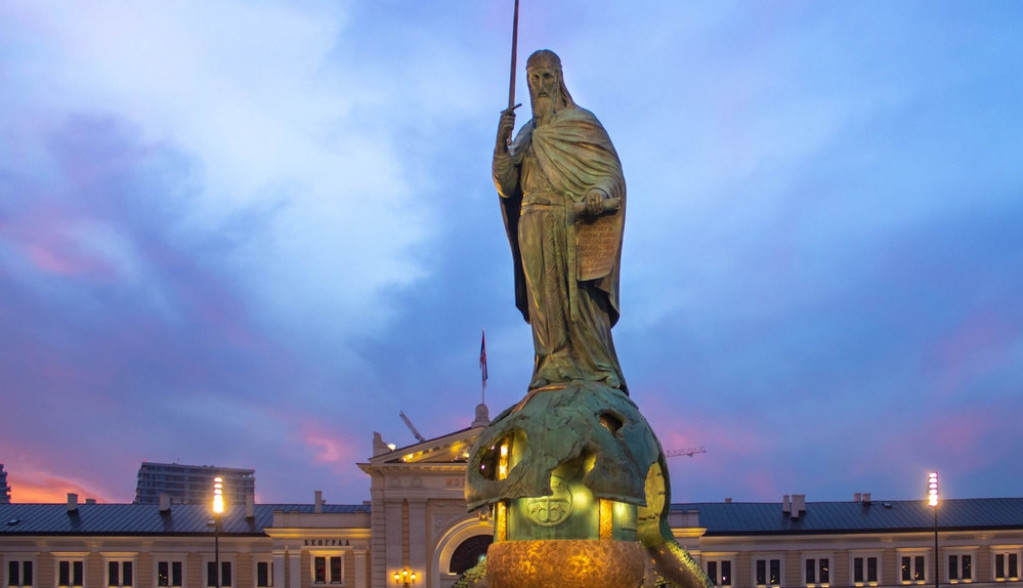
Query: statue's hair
{"points": [[552, 60]]}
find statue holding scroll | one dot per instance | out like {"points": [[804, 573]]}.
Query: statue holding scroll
{"points": [[563, 198], [573, 475]]}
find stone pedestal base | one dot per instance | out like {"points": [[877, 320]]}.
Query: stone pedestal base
{"points": [[565, 564]]}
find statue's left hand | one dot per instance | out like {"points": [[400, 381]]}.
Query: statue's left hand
{"points": [[594, 201]]}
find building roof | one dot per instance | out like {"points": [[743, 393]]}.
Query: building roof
{"points": [[718, 518], [746, 518], [145, 519], [184, 467]]}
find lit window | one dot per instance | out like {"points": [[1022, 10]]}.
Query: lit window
{"points": [[864, 570], [120, 573], [914, 569], [1006, 566], [70, 572], [960, 568], [768, 572], [817, 571], [720, 571], [19, 574], [169, 574], [327, 569], [225, 573]]}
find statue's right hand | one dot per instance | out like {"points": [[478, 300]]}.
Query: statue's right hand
{"points": [[505, 128]]}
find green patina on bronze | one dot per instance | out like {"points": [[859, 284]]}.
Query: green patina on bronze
{"points": [[563, 202], [581, 421]]}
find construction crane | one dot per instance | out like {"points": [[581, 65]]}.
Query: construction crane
{"points": [[410, 426], [688, 451]]}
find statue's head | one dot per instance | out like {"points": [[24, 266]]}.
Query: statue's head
{"points": [[547, 89]]}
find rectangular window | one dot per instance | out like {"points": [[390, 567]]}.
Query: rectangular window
{"points": [[960, 568], [768, 572], [119, 573], [1007, 566], [335, 570], [225, 573], [913, 569], [264, 574], [865, 570], [320, 570], [70, 572], [817, 572], [720, 571], [19, 573], [168, 574], [327, 569]]}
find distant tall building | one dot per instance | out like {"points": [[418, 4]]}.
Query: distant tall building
{"points": [[5, 490], [190, 484]]}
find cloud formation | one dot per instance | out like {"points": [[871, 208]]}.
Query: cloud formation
{"points": [[250, 235]]}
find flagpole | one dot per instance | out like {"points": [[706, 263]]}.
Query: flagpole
{"points": [[483, 365]]}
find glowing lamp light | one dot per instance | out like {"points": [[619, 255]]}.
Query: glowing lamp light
{"points": [[932, 489], [404, 577], [502, 463], [218, 495]]}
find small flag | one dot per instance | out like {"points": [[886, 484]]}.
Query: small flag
{"points": [[483, 357]]}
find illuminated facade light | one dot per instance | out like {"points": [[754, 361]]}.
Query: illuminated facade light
{"points": [[404, 577], [502, 462], [218, 495], [932, 489]]}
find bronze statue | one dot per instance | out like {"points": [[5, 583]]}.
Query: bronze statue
{"points": [[575, 477], [563, 197]]}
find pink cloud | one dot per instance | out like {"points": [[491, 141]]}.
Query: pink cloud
{"points": [[47, 489], [45, 238], [31, 483], [327, 449]]}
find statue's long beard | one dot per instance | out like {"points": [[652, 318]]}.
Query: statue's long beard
{"points": [[543, 107]]}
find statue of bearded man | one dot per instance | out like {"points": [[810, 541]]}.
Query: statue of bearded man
{"points": [[563, 197]]}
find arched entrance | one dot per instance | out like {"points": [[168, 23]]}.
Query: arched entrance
{"points": [[470, 537], [468, 553]]}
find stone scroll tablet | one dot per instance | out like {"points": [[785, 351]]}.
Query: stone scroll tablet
{"points": [[596, 245]]}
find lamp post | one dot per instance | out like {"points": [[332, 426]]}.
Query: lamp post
{"points": [[404, 577], [932, 501], [218, 510]]}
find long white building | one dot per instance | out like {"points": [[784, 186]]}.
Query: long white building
{"points": [[416, 521]]}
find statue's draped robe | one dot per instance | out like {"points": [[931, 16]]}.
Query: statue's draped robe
{"points": [[570, 306]]}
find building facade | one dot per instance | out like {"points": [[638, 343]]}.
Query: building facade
{"points": [[5, 490], [416, 521], [191, 484]]}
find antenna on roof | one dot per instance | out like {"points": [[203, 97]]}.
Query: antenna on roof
{"points": [[410, 426]]}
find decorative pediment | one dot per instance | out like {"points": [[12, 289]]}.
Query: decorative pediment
{"points": [[452, 448]]}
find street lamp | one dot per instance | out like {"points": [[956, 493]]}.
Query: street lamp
{"points": [[218, 510], [404, 577], [932, 501]]}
